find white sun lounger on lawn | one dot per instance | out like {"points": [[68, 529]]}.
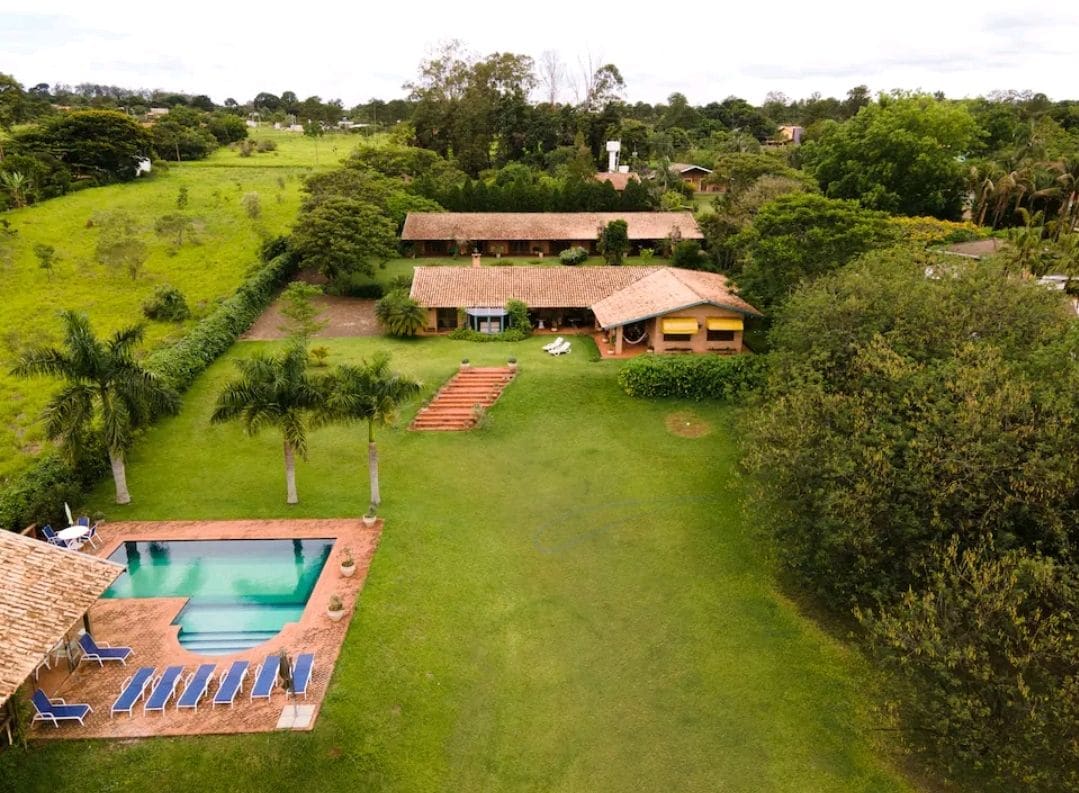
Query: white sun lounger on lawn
{"points": [[553, 344], [561, 349]]}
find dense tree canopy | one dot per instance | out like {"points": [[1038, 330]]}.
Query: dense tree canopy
{"points": [[101, 145], [799, 237], [900, 154]]}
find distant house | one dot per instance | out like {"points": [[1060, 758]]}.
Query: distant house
{"points": [[695, 176], [157, 112], [787, 135], [618, 180], [666, 308], [536, 233]]}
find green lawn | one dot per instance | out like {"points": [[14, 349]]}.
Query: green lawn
{"points": [[211, 268], [570, 599]]}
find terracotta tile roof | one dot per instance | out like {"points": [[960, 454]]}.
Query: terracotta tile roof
{"points": [[543, 225], [976, 248], [668, 289], [539, 287], [617, 295], [617, 180], [46, 591], [682, 167]]}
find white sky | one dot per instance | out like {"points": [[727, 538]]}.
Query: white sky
{"points": [[706, 50]]}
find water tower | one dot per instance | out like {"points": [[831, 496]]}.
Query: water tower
{"points": [[613, 147]]}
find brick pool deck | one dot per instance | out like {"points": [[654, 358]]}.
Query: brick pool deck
{"points": [[145, 624]]}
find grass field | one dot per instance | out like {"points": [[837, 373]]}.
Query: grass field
{"points": [[211, 268], [570, 599]]}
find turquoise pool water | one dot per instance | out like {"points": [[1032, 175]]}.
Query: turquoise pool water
{"points": [[241, 592]]}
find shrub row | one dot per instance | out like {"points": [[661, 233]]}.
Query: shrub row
{"points": [[467, 334], [185, 360], [38, 494], [693, 376]]}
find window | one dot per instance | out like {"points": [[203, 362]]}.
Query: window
{"points": [[721, 335], [677, 336]]}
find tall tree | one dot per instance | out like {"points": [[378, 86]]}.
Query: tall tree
{"points": [[274, 391], [900, 154], [343, 235], [371, 392], [104, 384]]}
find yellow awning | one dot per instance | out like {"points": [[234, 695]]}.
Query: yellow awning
{"points": [[724, 323], [682, 325]]}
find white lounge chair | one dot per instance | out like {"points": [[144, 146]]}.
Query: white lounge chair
{"points": [[553, 344], [561, 349]]}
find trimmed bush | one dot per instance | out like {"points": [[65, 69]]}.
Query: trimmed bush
{"points": [[574, 255], [349, 288], [693, 376], [467, 334], [166, 305]]}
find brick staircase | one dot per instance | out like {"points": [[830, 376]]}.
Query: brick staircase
{"points": [[453, 407]]}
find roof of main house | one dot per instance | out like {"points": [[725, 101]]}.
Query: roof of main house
{"points": [[617, 295], [544, 225], [46, 591], [617, 179]]}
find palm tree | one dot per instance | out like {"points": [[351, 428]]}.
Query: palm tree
{"points": [[370, 392], [274, 390], [399, 314], [16, 184], [104, 383]]}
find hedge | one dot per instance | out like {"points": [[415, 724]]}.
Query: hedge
{"points": [[37, 495], [181, 363], [693, 376]]}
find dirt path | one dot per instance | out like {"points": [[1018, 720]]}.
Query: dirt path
{"points": [[347, 316]]}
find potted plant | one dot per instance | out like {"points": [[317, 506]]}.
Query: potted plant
{"points": [[465, 364], [370, 516], [335, 609], [348, 564], [513, 364]]}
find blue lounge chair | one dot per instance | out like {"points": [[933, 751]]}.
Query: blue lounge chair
{"points": [[232, 683], [92, 651], [132, 691], [301, 673], [56, 710], [195, 687], [164, 688], [265, 675]]}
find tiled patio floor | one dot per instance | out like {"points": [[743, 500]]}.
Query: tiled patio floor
{"points": [[145, 625]]}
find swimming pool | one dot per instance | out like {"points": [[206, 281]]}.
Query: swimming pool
{"points": [[240, 592]]}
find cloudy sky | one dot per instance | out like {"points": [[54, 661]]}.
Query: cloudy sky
{"points": [[705, 50]]}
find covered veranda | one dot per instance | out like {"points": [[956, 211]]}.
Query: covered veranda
{"points": [[44, 605]]}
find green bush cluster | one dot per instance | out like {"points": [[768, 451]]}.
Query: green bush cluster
{"points": [[574, 255], [185, 360], [38, 494], [693, 376], [167, 304]]}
